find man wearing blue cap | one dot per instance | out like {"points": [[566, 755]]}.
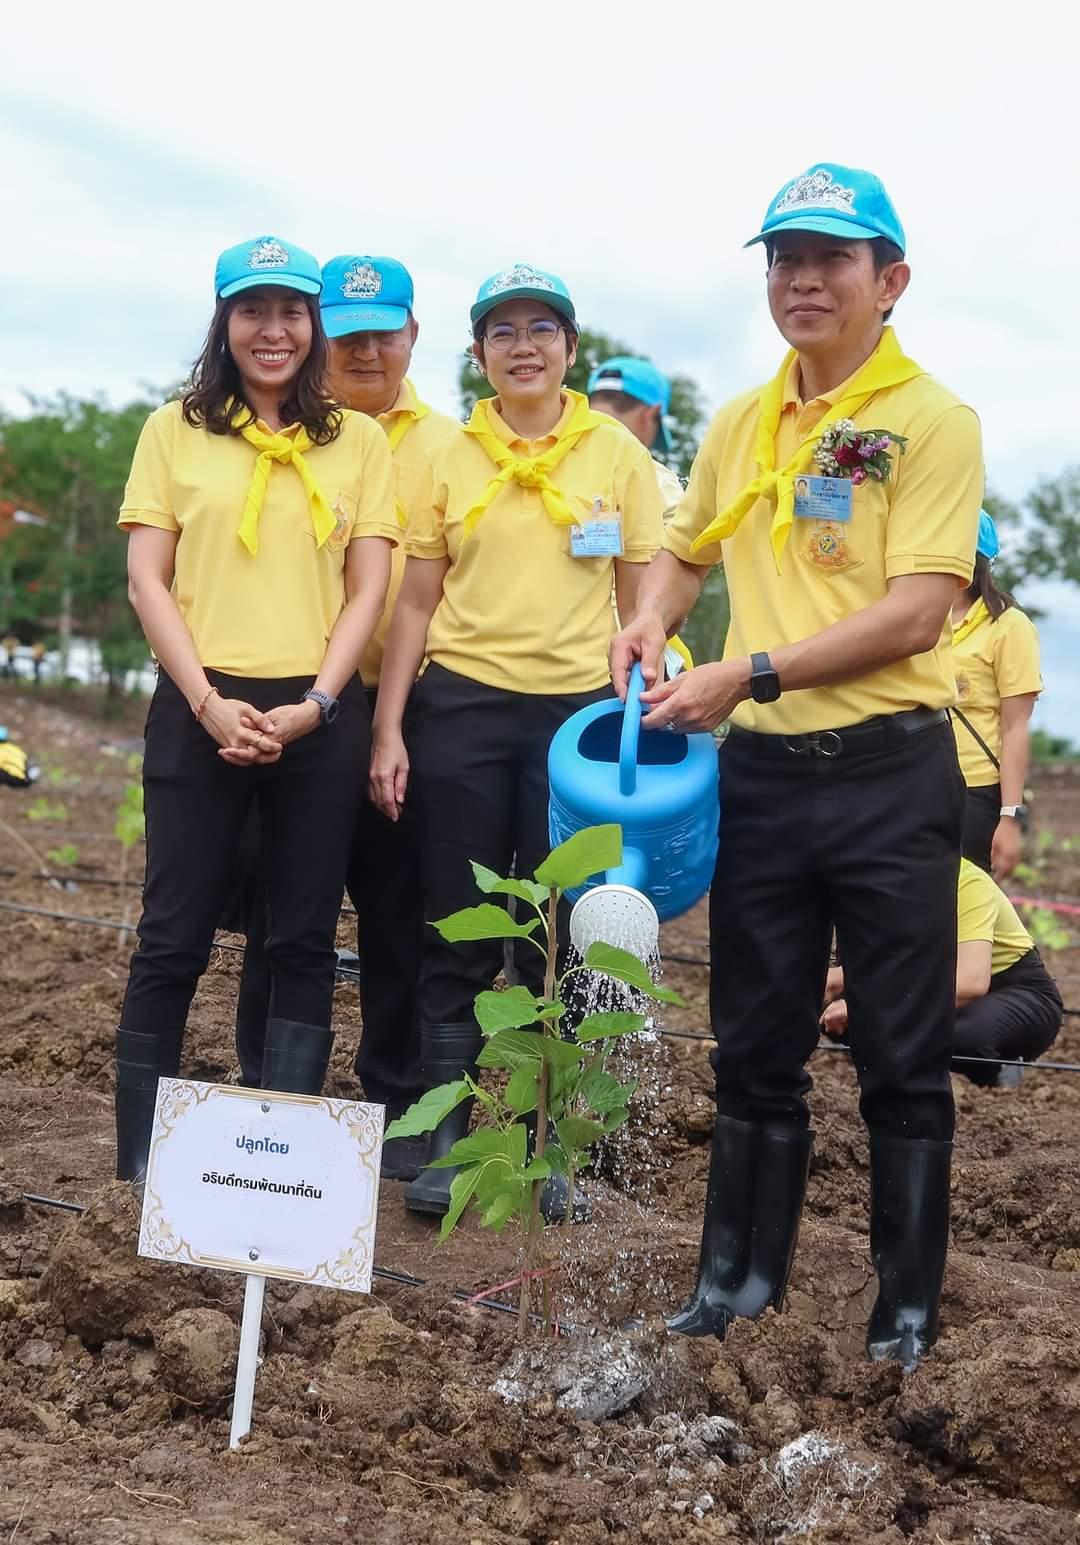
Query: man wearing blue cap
{"points": [[638, 395], [841, 797], [366, 304]]}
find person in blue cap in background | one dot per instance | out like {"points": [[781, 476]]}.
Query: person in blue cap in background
{"points": [[367, 313], [998, 679], [639, 396], [841, 800], [261, 519]]}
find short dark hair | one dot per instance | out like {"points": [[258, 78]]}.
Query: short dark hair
{"points": [[621, 402], [215, 380], [985, 588], [882, 253]]}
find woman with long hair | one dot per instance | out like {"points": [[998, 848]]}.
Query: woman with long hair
{"points": [[261, 520], [535, 506], [996, 652]]}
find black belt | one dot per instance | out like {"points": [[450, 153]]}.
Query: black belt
{"points": [[875, 734]]}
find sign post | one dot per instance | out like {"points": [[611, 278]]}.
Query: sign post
{"points": [[268, 1184]]}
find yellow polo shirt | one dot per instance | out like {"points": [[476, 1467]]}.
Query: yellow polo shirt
{"points": [[671, 488], [995, 660], [517, 610], [419, 437], [923, 520], [984, 912], [269, 615]]}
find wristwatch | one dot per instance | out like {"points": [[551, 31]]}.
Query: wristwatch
{"points": [[1018, 812], [328, 706], [764, 682]]}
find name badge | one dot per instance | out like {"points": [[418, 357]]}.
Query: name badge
{"points": [[597, 538], [822, 498]]}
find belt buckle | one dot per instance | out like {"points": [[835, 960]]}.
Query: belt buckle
{"points": [[825, 743]]}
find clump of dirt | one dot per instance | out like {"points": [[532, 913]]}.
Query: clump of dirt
{"points": [[197, 1349], [101, 1287]]}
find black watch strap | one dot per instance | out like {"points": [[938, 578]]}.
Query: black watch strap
{"points": [[328, 706]]}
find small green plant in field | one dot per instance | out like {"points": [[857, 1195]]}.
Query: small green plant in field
{"points": [[1047, 930], [41, 810], [562, 1083], [63, 857], [129, 828], [57, 778]]}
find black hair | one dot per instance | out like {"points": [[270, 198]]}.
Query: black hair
{"points": [[984, 587], [215, 382], [621, 402], [882, 252]]}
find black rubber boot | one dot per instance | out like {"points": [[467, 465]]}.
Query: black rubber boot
{"points": [[296, 1056], [448, 1051], [557, 1189], [757, 1183], [909, 1240], [140, 1061], [402, 1157]]}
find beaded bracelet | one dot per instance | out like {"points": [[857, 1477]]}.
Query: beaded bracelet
{"points": [[209, 694]]}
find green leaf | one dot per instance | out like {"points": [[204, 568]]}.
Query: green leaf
{"points": [[551, 1010], [428, 1111], [487, 1143], [576, 1132], [538, 1169], [600, 1027], [627, 968], [602, 1093], [616, 1118], [461, 1189], [521, 1088], [508, 1010], [509, 1049], [493, 884], [503, 1208], [484, 922], [562, 1054], [588, 852]]}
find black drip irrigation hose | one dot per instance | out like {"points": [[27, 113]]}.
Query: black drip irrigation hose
{"points": [[349, 974], [401, 1278]]}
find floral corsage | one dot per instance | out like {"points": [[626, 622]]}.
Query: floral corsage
{"points": [[859, 454]]}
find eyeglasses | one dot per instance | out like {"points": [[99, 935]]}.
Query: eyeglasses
{"points": [[543, 333]]}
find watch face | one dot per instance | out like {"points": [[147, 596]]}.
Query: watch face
{"points": [[765, 688]]}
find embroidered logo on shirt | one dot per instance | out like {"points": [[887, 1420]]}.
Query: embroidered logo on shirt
{"points": [[817, 189], [268, 254], [521, 276], [963, 688], [361, 282], [827, 546]]}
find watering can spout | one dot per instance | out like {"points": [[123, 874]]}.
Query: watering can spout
{"points": [[633, 871]]}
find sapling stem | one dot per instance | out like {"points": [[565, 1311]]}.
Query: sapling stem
{"points": [[532, 1237]]}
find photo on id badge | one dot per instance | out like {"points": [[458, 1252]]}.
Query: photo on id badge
{"points": [[824, 503], [599, 535]]}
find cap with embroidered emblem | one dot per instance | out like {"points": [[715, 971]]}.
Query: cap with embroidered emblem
{"points": [[365, 295], [266, 260], [833, 200], [523, 282], [637, 378]]}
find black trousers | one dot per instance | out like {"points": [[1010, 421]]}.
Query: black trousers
{"points": [[982, 811], [1019, 1017], [870, 843], [480, 791], [196, 809]]}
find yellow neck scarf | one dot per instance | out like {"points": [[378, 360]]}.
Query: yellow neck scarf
{"points": [[887, 366], [404, 419], [977, 614], [530, 471], [281, 448]]}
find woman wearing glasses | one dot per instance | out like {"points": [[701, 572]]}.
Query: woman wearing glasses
{"points": [[534, 507]]}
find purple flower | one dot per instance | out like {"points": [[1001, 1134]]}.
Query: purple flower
{"points": [[859, 475]]}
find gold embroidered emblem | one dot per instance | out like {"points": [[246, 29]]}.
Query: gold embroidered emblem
{"points": [[963, 688], [827, 545]]}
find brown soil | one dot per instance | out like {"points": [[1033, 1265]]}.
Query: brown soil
{"points": [[378, 1418]]}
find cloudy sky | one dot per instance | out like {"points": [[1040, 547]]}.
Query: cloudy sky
{"points": [[632, 149]]}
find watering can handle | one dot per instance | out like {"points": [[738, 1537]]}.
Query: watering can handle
{"points": [[631, 731]]}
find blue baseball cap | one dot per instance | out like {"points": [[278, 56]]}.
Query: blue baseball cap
{"points": [[835, 201], [266, 260], [637, 378], [987, 543], [365, 295], [523, 282]]}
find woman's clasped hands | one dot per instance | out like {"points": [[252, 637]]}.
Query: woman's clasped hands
{"points": [[248, 738]]}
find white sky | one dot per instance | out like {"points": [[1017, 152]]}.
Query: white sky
{"points": [[631, 148]]}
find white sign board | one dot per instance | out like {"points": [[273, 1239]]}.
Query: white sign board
{"points": [[280, 1185]]}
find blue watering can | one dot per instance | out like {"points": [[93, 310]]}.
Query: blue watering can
{"points": [[660, 787]]}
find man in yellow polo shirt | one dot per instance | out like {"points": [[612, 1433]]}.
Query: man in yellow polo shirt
{"points": [[1007, 1003], [367, 312], [841, 798]]}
